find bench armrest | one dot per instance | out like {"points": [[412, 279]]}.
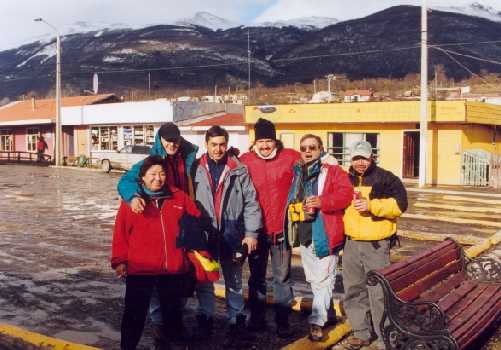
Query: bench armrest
{"points": [[414, 318], [483, 270]]}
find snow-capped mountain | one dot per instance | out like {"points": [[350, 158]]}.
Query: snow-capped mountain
{"points": [[207, 20], [476, 9], [313, 22]]}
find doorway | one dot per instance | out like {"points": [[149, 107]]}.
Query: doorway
{"points": [[410, 166]]}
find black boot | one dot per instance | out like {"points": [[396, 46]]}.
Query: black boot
{"points": [[205, 327], [238, 328], [282, 321], [257, 320]]}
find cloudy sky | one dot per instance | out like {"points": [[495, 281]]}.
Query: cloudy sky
{"points": [[17, 26]]}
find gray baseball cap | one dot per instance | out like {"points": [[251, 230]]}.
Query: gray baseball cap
{"points": [[362, 149]]}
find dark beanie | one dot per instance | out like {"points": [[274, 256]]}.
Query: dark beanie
{"points": [[264, 129], [169, 131]]}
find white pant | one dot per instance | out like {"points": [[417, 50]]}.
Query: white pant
{"points": [[321, 274]]}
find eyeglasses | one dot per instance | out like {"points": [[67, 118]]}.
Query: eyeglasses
{"points": [[309, 147]]}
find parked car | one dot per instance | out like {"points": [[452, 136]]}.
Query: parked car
{"points": [[122, 159]]}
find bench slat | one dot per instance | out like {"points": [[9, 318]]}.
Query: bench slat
{"points": [[476, 308], [456, 295], [465, 300], [470, 335], [413, 291], [441, 290], [415, 273], [395, 270]]}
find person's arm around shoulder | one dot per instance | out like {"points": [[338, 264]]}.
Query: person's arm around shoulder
{"points": [[396, 205], [252, 211], [128, 188], [120, 242], [339, 190]]}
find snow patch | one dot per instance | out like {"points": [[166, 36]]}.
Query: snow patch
{"points": [[207, 20], [113, 59], [307, 23], [49, 51]]}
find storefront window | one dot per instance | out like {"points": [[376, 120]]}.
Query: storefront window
{"points": [[104, 138], [31, 139], [6, 140]]}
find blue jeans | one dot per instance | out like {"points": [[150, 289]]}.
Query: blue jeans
{"points": [[232, 273], [281, 254]]}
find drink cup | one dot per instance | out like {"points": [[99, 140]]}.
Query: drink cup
{"points": [[357, 195]]}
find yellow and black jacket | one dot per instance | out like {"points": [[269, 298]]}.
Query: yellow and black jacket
{"points": [[387, 201]]}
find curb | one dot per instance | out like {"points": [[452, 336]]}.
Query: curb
{"points": [[452, 192], [39, 340]]}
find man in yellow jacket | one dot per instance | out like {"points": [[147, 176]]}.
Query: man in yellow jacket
{"points": [[370, 226]]}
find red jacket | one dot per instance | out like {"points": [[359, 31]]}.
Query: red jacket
{"points": [[336, 194], [147, 242], [272, 179]]}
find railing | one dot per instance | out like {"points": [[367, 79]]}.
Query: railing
{"points": [[15, 156], [495, 171], [342, 154], [475, 168]]}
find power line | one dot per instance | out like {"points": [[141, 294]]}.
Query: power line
{"points": [[466, 43], [463, 66], [473, 57]]}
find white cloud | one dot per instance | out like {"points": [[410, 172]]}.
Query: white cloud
{"points": [[17, 26], [348, 9]]}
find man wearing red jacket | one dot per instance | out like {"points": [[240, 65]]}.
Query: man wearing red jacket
{"points": [[318, 196], [271, 169]]}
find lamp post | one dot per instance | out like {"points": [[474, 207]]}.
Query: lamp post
{"points": [[58, 137], [329, 78]]}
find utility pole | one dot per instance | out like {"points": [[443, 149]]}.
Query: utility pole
{"points": [[58, 142], [248, 66], [149, 84], [314, 86], [215, 92], [423, 125]]}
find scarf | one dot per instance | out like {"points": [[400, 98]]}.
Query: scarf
{"points": [[272, 155]]}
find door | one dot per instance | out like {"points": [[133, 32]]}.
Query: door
{"points": [[410, 166]]}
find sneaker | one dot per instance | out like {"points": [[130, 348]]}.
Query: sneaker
{"points": [[316, 333], [205, 327]]}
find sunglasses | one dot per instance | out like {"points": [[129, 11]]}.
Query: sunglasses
{"points": [[309, 147]]}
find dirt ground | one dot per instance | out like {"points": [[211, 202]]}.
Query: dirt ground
{"points": [[55, 230]]}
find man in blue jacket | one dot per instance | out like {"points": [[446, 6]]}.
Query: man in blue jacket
{"points": [[180, 155]]}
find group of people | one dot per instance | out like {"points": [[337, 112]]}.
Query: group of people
{"points": [[260, 204]]}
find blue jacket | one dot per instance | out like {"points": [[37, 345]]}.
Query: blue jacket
{"points": [[128, 186]]}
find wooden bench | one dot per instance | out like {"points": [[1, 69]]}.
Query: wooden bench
{"points": [[438, 299]]}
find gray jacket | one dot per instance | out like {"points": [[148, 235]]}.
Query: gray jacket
{"points": [[240, 211]]}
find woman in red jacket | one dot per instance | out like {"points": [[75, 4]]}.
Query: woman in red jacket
{"points": [[145, 253]]}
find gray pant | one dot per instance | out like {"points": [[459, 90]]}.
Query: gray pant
{"points": [[360, 257]]}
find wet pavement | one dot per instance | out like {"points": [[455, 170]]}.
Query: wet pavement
{"points": [[56, 227]]}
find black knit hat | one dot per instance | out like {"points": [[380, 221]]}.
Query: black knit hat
{"points": [[264, 129], [169, 131]]}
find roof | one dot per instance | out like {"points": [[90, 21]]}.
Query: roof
{"points": [[226, 119], [45, 109], [358, 93]]}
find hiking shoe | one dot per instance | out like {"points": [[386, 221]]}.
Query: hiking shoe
{"points": [[316, 333], [205, 327]]}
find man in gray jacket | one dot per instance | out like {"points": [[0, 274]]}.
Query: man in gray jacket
{"points": [[224, 192]]}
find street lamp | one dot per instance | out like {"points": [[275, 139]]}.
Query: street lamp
{"points": [[58, 138], [329, 78]]}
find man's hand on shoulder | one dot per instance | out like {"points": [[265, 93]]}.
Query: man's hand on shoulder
{"points": [[137, 205]]}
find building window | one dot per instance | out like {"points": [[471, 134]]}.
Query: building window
{"points": [[6, 140], [104, 138], [31, 139], [139, 135], [339, 144]]}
